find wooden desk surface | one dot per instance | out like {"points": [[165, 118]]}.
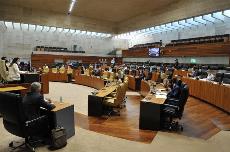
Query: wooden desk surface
{"points": [[60, 105], [106, 91], [152, 97], [16, 88]]}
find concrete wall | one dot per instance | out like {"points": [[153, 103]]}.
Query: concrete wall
{"points": [[21, 43], [208, 30], [166, 37]]}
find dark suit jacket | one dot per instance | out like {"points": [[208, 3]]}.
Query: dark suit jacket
{"points": [[32, 103], [175, 92]]}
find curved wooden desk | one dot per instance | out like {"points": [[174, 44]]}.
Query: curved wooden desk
{"points": [[43, 80], [89, 81], [213, 93], [95, 102], [182, 73], [59, 77], [150, 108]]}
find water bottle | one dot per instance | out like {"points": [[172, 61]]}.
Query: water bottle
{"points": [[60, 98]]}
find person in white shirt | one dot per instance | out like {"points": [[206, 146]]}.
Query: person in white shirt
{"points": [[210, 76], [14, 72], [113, 62]]}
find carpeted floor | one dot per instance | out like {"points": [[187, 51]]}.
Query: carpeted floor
{"points": [[75, 94], [71, 93], [88, 141]]}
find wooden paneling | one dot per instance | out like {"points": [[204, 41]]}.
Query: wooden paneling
{"points": [[45, 83], [39, 60], [215, 94], [89, 81], [215, 49], [58, 77], [135, 53], [182, 73]]}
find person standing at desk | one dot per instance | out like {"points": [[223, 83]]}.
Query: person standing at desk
{"points": [[176, 64], [4, 70], [113, 62], [14, 72]]}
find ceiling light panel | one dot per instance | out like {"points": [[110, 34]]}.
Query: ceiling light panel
{"points": [[226, 13], [209, 18], [53, 29], [66, 30], [218, 16], [32, 27], [39, 28], [200, 20], [46, 29], [72, 31], [60, 30], [77, 31], [17, 26], [24, 27], [73, 2]]}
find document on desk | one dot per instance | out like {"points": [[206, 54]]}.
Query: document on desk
{"points": [[162, 95], [146, 100]]}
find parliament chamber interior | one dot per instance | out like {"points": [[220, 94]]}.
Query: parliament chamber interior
{"points": [[115, 75]]}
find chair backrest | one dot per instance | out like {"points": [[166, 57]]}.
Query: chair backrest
{"points": [[112, 76], [12, 113], [226, 80], [227, 75], [46, 70], [69, 71], [183, 99], [123, 88], [119, 95], [62, 70], [54, 70], [86, 72], [155, 76], [106, 74]]}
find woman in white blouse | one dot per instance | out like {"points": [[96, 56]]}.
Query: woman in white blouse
{"points": [[14, 72]]}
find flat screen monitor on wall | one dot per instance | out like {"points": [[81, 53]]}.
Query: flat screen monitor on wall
{"points": [[153, 52]]}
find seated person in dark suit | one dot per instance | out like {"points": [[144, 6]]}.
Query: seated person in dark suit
{"points": [[34, 101], [32, 104], [176, 89]]}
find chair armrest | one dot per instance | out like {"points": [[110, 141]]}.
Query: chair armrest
{"points": [[27, 123], [172, 106], [173, 99]]}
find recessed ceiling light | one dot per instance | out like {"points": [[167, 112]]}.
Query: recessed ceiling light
{"points": [[71, 6]]}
